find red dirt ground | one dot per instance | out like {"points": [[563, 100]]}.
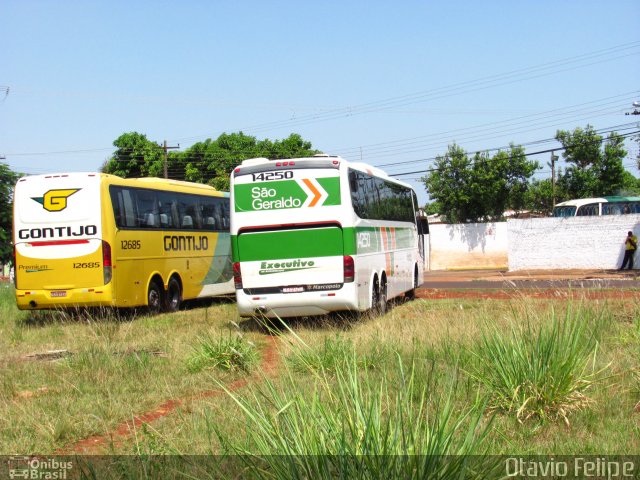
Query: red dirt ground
{"points": [[99, 443]]}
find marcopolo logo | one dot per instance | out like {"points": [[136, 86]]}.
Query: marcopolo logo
{"points": [[268, 268], [55, 200]]}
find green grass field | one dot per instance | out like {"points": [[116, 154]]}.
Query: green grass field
{"points": [[526, 376]]}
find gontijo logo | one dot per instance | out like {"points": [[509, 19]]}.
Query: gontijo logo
{"points": [[56, 200]]}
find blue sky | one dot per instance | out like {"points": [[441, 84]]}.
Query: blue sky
{"points": [[389, 82]]}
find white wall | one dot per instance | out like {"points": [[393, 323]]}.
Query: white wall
{"points": [[566, 243], [468, 246]]}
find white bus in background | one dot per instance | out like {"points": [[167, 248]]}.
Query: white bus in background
{"points": [[316, 235], [583, 207]]}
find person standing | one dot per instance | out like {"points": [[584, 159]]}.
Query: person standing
{"points": [[630, 247]]}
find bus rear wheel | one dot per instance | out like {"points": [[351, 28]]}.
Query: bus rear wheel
{"points": [[379, 299], [411, 294], [174, 295], [155, 295]]}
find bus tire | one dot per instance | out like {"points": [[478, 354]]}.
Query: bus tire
{"points": [[155, 296], [379, 297], [411, 294], [174, 295], [382, 298]]}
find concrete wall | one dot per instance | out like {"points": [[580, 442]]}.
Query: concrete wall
{"points": [[468, 246], [565, 243]]}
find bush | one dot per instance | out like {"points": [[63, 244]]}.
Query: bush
{"points": [[355, 423], [224, 353], [541, 371]]}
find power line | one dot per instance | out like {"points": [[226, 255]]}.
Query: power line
{"points": [[395, 146], [615, 100], [456, 89], [428, 170], [385, 146], [535, 142], [198, 160]]}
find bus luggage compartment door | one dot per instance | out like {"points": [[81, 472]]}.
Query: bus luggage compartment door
{"points": [[279, 260]]}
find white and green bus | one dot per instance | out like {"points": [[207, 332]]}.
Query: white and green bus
{"points": [[317, 235]]}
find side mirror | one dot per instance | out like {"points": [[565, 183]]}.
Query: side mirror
{"points": [[423, 226]]}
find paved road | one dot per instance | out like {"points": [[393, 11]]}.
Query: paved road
{"points": [[494, 279]]}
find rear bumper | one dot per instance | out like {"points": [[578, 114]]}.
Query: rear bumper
{"points": [[282, 305], [100, 296]]}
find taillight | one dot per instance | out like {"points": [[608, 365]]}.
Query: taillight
{"points": [[12, 272], [106, 262], [349, 269], [237, 276]]}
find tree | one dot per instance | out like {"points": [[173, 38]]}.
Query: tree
{"points": [[449, 184], [135, 156], [539, 196], [631, 185], [432, 208], [595, 165], [210, 161], [637, 140], [8, 179], [479, 189]]}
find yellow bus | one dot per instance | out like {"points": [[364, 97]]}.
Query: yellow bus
{"points": [[92, 239]]}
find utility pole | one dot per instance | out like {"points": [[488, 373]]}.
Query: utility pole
{"points": [[553, 177], [165, 148]]}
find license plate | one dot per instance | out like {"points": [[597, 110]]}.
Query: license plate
{"points": [[59, 294], [292, 289]]}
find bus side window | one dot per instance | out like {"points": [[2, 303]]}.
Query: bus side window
{"points": [[590, 209], [127, 208], [175, 216], [187, 209], [117, 205], [226, 214], [147, 211], [208, 207], [165, 202], [358, 193]]}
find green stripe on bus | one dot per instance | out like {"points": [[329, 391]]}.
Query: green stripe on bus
{"points": [[307, 243], [221, 268], [332, 187], [313, 242], [285, 194]]}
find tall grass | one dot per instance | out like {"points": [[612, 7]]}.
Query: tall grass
{"points": [[355, 423], [334, 353], [230, 353], [541, 371]]}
